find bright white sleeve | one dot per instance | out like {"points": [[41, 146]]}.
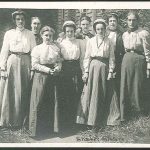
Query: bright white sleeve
{"points": [[111, 58], [87, 59], [4, 52], [35, 59], [146, 46]]}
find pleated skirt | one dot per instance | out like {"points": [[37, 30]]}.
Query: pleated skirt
{"points": [[15, 99], [44, 105], [91, 108], [133, 77]]}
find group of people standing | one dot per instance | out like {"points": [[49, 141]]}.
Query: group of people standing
{"points": [[93, 80]]}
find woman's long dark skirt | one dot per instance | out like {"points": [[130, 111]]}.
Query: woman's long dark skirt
{"points": [[133, 75], [44, 115], [71, 88], [91, 110]]}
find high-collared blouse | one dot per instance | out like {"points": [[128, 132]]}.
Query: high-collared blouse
{"points": [[73, 49], [43, 55], [138, 40], [70, 49], [16, 40], [103, 48]]}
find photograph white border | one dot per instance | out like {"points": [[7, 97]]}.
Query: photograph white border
{"points": [[76, 5]]}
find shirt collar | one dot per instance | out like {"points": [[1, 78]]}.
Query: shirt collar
{"points": [[20, 29], [70, 39]]}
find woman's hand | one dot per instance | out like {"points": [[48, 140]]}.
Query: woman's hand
{"points": [[4, 74], [110, 75], [85, 77], [51, 71]]}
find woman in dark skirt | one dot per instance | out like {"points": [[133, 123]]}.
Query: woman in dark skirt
{"points": [[46, 62], [71, 50], [98, 66], [134, 65], [115, 35]]}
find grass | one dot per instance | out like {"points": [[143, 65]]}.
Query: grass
{"points": [[136, 130], [14, 136]]}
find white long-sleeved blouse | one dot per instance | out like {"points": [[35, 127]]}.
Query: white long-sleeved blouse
{"points": [[44, 54], [104, 49], [16, 40], [73, 49], [138, 40], [70, 49]]}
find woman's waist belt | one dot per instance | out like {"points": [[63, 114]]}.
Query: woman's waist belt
{"points": [[100, 58], [73, 61], [134, 51], [19, 53]]}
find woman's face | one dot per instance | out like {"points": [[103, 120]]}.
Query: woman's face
{"points": [[70, 32], [100, 29], [112, 23], [132, 21], [20, 21], [85, 25], [36, 25], [47, 37]]}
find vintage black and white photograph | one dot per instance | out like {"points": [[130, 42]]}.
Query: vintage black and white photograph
{"points": [[75, 73]]}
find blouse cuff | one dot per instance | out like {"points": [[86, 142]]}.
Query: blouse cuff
{"points": [[2, 68], [111, 70], [148, 65], [47, 70]]}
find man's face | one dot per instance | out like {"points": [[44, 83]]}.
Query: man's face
{"points": [[36, 25], [112, 23], [132, 21]]}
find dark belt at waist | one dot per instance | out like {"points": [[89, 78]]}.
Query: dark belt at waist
{"points": [[100, 58], [19, 53], [134, 51], [71, 61]]}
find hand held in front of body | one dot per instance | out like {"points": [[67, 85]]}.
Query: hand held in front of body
{"points": [[110, 76], [54, 71], [85, 77], [4, 74]]}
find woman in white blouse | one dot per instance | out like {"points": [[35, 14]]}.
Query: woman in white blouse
{"points": [[98, 67], [71, 50], [46, 62], [134, 65], [15, 67]]}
